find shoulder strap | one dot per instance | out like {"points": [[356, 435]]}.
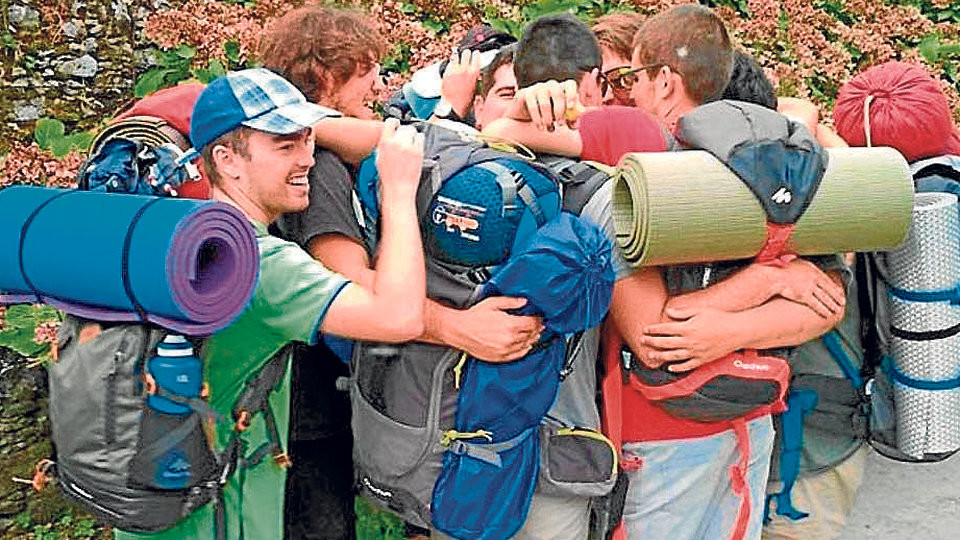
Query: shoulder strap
{"points": [[579, 180]]}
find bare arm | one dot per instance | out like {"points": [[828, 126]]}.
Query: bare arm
{"points": [[485, 331], [562, 141], [392, 309], [352, 139], [345, 256], [799, 280], [699, 335], [637, 302]]}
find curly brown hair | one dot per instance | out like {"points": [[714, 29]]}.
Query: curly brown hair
{"points": [[318, 48]]}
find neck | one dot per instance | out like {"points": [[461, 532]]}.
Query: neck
{"points": [[243, 203], [671, 112]]}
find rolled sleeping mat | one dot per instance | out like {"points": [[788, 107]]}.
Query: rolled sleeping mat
{"points": [[686, 207], [925, 328], [188, 265]]}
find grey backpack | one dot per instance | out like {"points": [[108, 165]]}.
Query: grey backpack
{"points": [[130, 465], [403, 397]]}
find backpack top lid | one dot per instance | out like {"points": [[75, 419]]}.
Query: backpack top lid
{"points": [[483, 212]]}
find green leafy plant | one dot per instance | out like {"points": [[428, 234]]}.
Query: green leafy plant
{"points": [[376, 524], [586, 10], [20, 326], [50, 134], [176, 65], [399, 59], [935, 52]]}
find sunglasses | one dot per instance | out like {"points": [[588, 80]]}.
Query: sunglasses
{"points": [[623, 78]]}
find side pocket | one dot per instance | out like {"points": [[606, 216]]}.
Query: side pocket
{"points": [[390, 393], [172, 452], [576, 461]]}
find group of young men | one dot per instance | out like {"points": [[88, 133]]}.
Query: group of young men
{"points": [[281, 142]]}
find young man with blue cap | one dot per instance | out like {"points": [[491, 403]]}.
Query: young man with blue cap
{"points": [[254, 131]]}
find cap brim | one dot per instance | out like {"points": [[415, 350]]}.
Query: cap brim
{"points": [[290, 118]]}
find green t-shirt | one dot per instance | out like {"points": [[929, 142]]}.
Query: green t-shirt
{"points": [[292, 296]]}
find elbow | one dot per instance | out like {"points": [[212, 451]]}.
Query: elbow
{"points": [[405, 324]]}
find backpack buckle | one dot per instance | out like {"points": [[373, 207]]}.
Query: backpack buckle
{"points": [[243, 421], [282, 459]]}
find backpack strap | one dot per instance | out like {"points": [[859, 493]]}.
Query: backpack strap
{"points": [[800, 404], [579, 180], [253, 399]]}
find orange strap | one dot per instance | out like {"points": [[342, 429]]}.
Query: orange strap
{"points": [[738, 479], [611, 343]]}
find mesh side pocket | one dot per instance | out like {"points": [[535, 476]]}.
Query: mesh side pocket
{"points": [[172, 453]]}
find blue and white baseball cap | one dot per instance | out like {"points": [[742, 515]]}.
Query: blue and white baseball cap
{"points": [[256, 98]]}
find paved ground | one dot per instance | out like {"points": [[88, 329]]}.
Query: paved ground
{"points": [[900, 501]]}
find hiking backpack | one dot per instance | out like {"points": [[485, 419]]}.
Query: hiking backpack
{"points": [[134, 444], [842, 389], [404, 397]]}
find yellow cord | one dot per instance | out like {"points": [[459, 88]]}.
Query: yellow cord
{"points": [[452, 435]]}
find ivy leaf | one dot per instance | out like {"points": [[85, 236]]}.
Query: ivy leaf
{"points": [[81, 140], [231, 49], [216, 68], [435, 26], [929, 48], [149, 82], [408, 8], [47, 131], [61, 147], [185, 51]]}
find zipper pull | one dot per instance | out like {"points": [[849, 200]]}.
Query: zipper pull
{"points": [[458, 369]]}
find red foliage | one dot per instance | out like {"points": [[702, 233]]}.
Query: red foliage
{"points": [[31, 165]]}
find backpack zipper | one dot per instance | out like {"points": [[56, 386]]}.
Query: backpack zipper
{"points": [[595, 435]]}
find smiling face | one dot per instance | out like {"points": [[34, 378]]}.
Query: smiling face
{"points": [[494, 104], [351, 97], [272, 177]]}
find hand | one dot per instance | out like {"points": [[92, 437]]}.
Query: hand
{"points": [[692, 337], [548, 104], [803, 282], [399, 156], [492, 334], [460, 80]]}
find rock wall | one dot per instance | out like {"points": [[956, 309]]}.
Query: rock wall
{"points": [[74, 60]]}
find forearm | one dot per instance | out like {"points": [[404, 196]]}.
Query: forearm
{"points": [[438, 321], [399, 282], [747, 288], [562, 141], [352, 139], [778, 323], [638, 301]]}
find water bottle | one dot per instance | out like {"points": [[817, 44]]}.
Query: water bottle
{"points": [[177, 372]]}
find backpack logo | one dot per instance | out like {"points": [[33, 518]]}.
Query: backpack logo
{"points": [[753, 367], [458, 217], [782, 196]]}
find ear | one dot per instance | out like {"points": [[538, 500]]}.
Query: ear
{"points": [[477, 105], [666, 83], [226, 161]]}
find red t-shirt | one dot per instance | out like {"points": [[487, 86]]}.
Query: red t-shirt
{"points": [[610, 132], [607, 134]]}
